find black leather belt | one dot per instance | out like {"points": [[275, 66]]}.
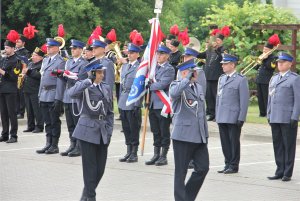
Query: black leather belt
{"points": [[100, 117], [49, 87]]}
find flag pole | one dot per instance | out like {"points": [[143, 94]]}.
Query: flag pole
{"points": [[157, 11]]}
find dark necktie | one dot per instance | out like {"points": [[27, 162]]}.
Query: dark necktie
{"points": [[227, 77], [74, 62], [99, 87], [193, 87], [129, 66], [49, 60]]}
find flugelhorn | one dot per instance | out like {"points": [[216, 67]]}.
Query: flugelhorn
{"points": [[116, 47], [257, 61]]}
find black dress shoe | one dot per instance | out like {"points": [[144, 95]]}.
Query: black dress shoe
{"points": [[12, 140], [222, 171], [209, 117], [285, 178], [20, 116], [230, 171], [37, 130], [275, 177], [28, 130], [3, 139]]}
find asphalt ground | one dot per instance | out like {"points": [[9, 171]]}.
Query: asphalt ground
{"points": [[25, 175]]}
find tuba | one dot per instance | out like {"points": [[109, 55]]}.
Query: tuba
{"points": [[61, 40]]}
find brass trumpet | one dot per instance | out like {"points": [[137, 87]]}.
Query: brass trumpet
{"points": [[257, 61]]}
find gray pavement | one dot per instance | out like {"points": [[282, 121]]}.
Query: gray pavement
{"points": [[25, 175]]}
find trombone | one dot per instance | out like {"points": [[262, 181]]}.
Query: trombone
{"points": [[257, 61]]}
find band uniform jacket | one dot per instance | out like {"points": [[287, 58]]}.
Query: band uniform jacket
{"points": [[32, 78], [49, 91], [284, 98], [164, 75], [189, 120], [266, 70], [212, 68], [175, 58], [22, 52], [67, 83], [127, 78], [93, 125], [12, 68], [232, 99]]}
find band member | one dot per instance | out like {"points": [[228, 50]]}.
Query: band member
{"points": [[21, 51], [9, 71], [99, 53], [283, 115], [74, 66], [51, 96], [231, 111], [88, 53], [95, 126], [131, 114], [173, 44], [160, 125], [265, 72], [189, 134], [31, 86], [213, 69], [110, 38]]}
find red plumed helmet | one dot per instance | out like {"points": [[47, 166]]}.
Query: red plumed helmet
{"points": [[215, 32], [183, 37], [225, 31], [93, 37], [274, 40], [97, 31], [174, 30], [29, 31], [132, 35], [13, 36], [112, 36], [44, 48], [138, 39], [61, 31]]}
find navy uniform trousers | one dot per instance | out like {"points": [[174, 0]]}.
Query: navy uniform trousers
{"points": [[93, 165], [284, 143], [160, 127], [131, 125], [8, 114], [184, 152], [51, 119]]}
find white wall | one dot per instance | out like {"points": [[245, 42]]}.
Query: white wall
{"points": [[293, 5]]}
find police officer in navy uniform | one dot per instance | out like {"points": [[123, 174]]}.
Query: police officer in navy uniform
{"points": [[51, 96], [264, 74], [95, 126], [283, 115], [74, 65], [189, 134], [9, 71], [160, 125], [31, 84], [231, 110], [99, 53], [213, 70], [21, 51], [131, 114]]}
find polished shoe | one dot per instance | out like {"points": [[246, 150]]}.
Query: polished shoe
{"points": [[71, 147], [285, 178], [53, 148], [28, 130], [20, 116], [3, 139], [210, 117], [37, 130], [275, 177], [76, 151], [124, 158], [230, 171], [12, 140], [222, 171], [163, 158], [46, 147], [155, 156], [133, 156]]}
